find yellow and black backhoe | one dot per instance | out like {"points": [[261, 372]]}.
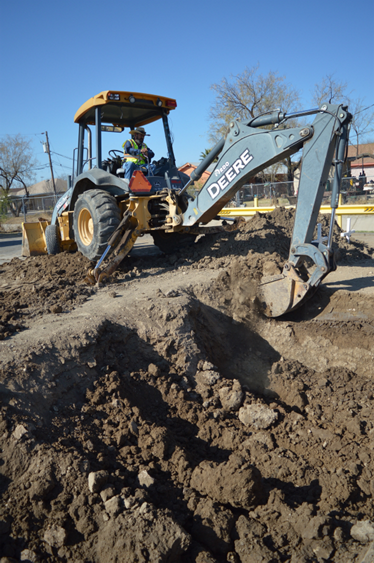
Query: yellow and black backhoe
{"points": [[102, 213]]}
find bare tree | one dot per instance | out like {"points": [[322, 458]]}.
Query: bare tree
{"points": [[16, 169], [246, 95], [16, 163], [330, 90], [362, 122], [334, 91]]}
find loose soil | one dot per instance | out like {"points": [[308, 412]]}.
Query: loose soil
{"points": [[162, 418]]}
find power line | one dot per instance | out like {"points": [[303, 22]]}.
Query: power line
{"points": [[53, 152], [64, 166], [22, 134], [40, 167]]}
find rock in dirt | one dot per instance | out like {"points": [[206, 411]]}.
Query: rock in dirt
{"points": [[152, 537], [367, 556], [249, 546], [316, 528], [323, 549], [363, 531], [96, 480], [235, 482], [260, 438], [42, 486], [254, 552], [113, 505], [28, 556], [19, 432], [55, 536], [249, 528], [56, 309], [208, 377], [153, 370], [258, 416], [133, 427], [107, 493], [212, 526], [231, 397], [145, 479]]}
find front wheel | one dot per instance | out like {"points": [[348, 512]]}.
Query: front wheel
{"points": [[170, 243], [96, 216]]}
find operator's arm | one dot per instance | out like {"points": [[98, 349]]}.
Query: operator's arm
{"points": [[147, 152], [128, 149], [151, 154]]}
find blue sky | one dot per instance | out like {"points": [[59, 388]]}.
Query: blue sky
{"points": [[55, 56]]}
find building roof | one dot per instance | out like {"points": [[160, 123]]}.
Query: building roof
{"points": [[42, 188], [365, 148], [194, 165], [190, 167]]}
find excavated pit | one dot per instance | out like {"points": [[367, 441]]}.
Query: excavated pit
{"points": [[162, 418]]}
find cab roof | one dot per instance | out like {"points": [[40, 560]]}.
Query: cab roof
{"points": [[124, 109]]}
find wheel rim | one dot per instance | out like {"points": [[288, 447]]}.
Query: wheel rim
{"points": [[85, 227]]}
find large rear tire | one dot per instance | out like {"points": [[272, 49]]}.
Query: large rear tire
{"points": [[52, 240], [170, 243], [96, 216]]}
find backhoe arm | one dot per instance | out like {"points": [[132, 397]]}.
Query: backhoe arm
{"points": [[249, 149], [246, 151]]}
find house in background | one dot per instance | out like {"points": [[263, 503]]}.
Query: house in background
{"points": [[43, 188], [363, 165], [39, 197], [190, 167]]}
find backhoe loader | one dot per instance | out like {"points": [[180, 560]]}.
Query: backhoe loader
{"points": [[102, 214]]}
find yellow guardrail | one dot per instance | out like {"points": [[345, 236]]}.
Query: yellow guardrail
{"points": [[325, 209]]}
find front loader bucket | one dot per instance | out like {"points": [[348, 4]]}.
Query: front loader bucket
{"points": [[33, 238]]}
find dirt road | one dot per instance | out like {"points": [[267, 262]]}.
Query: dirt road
{"points": [[10, 246], [163, 418]]}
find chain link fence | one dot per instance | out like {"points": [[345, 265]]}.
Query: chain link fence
{"points": [[27, 208], [270, 193], [285, 193]]}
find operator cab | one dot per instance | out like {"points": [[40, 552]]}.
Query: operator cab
{"points": [[114, 111]]}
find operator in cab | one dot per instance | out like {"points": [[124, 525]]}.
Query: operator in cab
{"points": [[136, 153]]}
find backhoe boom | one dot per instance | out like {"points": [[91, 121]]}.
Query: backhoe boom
{"points": [[246, 151]]}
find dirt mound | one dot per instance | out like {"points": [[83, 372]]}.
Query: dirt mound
{"points": [[165, 420], [39, 285], [108, 431], [32, 287]]}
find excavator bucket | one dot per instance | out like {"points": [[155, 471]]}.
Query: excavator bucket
{"points": [[33, 238], [283, 293]]}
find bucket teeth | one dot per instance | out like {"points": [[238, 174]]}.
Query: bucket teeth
{"points": [[90, 278]]}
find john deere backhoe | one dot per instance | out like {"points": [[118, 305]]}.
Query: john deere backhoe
{"points": [[102, 213]]}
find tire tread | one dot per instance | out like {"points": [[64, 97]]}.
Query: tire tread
{"points": [[106, 217]]}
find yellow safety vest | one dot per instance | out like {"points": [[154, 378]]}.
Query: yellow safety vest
{"points": [[140, 160]]}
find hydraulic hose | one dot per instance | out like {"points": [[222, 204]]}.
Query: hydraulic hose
{"points": [[339, 156], [196, 174]]}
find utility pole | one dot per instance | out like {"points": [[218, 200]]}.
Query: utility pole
{"points": [[46, 149]]}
